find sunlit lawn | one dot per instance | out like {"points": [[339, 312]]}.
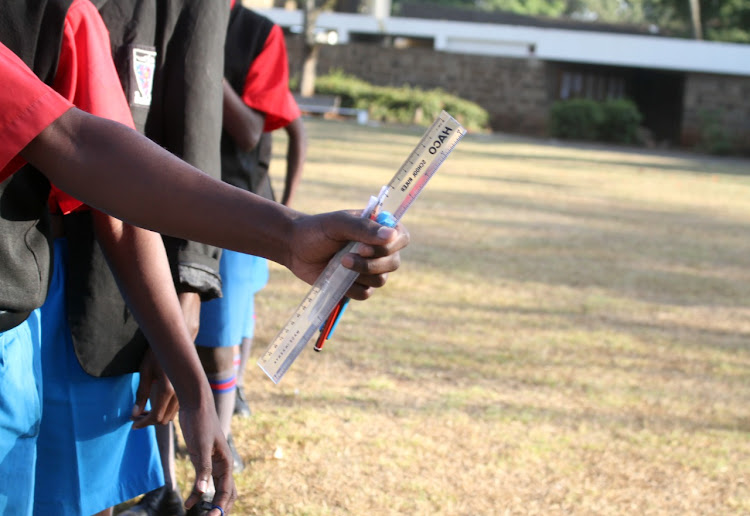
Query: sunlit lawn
{"points": [[568, 334]]}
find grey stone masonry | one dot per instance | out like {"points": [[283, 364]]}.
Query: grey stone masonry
{"points": [[721, 101], [513, 91], [518, 93]]}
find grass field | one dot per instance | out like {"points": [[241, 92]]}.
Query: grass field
{"points": [[568, 334]]}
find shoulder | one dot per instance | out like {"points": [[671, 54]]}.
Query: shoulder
{"points": [[82, 11], [250, 20]]}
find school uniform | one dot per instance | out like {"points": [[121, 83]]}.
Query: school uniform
{"points": [[85, 445], [27, 107], [88, 456], [169, 54], [257, 68]]}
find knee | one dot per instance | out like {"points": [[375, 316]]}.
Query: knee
{"points": [[216, 360], [193, 325]]}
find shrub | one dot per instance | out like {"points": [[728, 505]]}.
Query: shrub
{"points": [[715, 137], [621, 119], [576, 119], [347, 87], [404, 105], [584, 119]]}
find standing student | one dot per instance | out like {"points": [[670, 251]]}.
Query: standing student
{"points": [[257, 101], [74, 488], [169, 54], [111, 167], [89, 458]]}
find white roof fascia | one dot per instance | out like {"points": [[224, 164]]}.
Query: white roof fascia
{"points": [[601, 48]]}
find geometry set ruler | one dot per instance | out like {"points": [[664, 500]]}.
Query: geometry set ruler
{"points": [[387, 208]]}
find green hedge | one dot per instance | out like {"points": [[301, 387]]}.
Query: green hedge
{"points": [[583, 119], [715, 138], [405, 105]]}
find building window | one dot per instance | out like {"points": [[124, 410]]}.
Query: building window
{"points": [[590, 85]]}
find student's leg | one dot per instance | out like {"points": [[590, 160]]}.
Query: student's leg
{"points": [[220, 370], [221, 328], [165, 437], [241, 407], [257, 274]]}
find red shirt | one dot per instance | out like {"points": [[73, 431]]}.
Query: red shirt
{"points": [[87, 77], [27, 107], [267, 83]]}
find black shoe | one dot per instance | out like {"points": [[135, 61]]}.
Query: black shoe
{"points": [[202, 507], [238, 464], [159, 502], [241, 408]]}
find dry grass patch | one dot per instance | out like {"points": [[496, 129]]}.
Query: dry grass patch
{"points": [[568, 335]]}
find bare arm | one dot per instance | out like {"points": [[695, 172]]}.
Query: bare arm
{"points": [[120, 172], [123, 173], [138, 259], [295, 158], [134, 255], [244, 124]]}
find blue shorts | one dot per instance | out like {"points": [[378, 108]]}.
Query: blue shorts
{"points": [[227, 320], [20, 414], [88, 456]]}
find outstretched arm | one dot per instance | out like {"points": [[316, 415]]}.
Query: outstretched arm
{"points": [[116, 170], [123, 173]]}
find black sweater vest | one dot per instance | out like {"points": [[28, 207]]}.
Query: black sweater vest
{"points": [[33, 30], [246, 35]]}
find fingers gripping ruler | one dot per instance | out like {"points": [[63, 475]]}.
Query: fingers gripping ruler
{"points": [[387, 208]]}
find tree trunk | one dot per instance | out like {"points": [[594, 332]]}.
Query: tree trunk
{"points": [[309, 49], [695, 18], [309, 64]]}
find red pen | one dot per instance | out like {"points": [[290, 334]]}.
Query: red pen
{"points": [[327, 329]]}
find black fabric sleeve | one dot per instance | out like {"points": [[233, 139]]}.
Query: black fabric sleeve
{"points": [[189, 118]]}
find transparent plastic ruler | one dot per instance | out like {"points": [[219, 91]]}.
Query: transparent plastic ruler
{"points": [[394, 199]]}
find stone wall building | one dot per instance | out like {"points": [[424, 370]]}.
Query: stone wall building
{"points": [[512, 91], [688, 91]]}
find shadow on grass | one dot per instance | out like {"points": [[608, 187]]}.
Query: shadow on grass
{"points": [[681, 258], [690, 335], [696, 165], [689, 161], [617, 419]]}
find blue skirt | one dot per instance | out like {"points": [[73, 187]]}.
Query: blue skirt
{"points": [[20, 414], [226, 320], [88, 457]]}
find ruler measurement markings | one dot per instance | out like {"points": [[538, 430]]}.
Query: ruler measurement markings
{"points": [[335, 280]]}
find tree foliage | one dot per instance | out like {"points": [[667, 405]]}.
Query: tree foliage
{"points": [[531, 7], [722, 20]]}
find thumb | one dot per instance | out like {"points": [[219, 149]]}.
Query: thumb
{"points": [[358, 229], [202, 474], [141, 397]]}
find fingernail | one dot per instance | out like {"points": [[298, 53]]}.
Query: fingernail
{"points": [[202, 485], [385, 232]]}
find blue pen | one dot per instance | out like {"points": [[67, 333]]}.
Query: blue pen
{"points": [[384, 218], [342, 306]]}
